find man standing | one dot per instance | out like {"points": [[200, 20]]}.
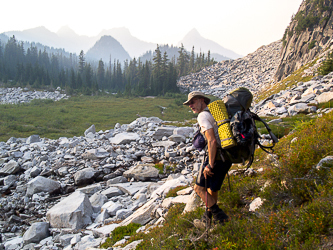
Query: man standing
{"points": [[215, 166]]}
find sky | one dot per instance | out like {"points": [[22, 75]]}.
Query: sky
{"points": [[239, 25]]}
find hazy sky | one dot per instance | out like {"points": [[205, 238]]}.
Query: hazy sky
{"points": [[239, 25]]}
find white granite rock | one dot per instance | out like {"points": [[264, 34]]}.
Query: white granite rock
{"points": [[74, 212]]}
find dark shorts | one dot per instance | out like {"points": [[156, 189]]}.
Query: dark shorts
{"points": [[214, 182]]}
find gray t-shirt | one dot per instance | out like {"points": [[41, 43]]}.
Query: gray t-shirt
{"points": [[206, 121]]}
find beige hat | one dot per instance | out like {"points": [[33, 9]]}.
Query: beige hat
{"points": [[196, 94]]}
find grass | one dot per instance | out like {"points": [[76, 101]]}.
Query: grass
{"points": [[298, 207], [73, 116]]}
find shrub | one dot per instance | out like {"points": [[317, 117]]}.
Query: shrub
{"points": [[327, 65], [173, 192], [295, 179], [119, 233], [160, 168], [312, 44]]}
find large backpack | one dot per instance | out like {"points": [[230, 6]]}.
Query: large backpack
{"points": [[243, 128]]}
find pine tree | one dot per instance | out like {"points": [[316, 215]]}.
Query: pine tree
{"points": [[81, 62], [100, 74], [88, 73], [192, 58], [157, 72]]}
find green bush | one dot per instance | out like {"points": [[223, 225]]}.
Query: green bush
{"points": [[295, 179], [173, 192], [119, 233], [327, 65], [160, 168], [312, 44]]}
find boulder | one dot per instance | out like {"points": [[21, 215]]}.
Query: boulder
{"points": [[88, 242], [105, 231], [298, 108], [111, 192], [42, 184], [185, 131], [122, 214], [255, 204], [32, 139], [85, 176], [142, 172], [36, 232], [324, 97], [91, 189], [124, 138], [12, 244], [163, 131], [9, 180], [111, 207], [165, 144], [98, 199], [142, 215], [192, 203], [118, 179], [167, 186], [132, 188], [74, 212], [12, 167], [177, 138], [91, 129], [94, 154]]}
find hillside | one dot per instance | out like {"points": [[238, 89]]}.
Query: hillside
{"points": [[254, 71]]}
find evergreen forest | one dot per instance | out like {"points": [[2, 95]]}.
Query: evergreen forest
{"points": [[40, 69]]}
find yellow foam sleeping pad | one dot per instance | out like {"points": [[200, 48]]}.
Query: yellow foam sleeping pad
{"points": [[220, 114]]}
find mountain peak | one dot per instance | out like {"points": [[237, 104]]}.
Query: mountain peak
{"points": [[192, 34], [66, 31]]}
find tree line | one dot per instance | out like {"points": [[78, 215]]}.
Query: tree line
{"points": [[39, 69]]}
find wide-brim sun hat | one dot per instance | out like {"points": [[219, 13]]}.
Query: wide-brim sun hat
{"points": [[194, 94]]}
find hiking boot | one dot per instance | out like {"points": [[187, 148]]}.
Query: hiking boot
{"points": [[218, 215], [204, 222]]}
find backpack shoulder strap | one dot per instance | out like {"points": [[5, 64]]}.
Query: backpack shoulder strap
{"points": [[257, 118]]}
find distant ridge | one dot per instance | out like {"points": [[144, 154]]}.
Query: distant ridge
{"points": [[105, 47], [134, 46], [193, 38], [66, 38]]}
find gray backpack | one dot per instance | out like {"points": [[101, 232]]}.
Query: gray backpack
{"points": [[243, 127]]}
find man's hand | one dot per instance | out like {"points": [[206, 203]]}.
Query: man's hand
{"points": [[208, 171]]}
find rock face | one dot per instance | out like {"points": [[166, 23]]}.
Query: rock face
{"points": [[303, 43]]}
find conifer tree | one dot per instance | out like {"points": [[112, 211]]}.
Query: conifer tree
{"points": [[100, 74], [81, 62]]}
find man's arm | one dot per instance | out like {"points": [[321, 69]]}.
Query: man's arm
{"points": [[212, 148]]}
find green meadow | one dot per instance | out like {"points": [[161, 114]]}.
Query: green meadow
{"points": [[72, 117]]}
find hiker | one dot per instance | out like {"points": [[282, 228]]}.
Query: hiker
{"points": [[213, 170]]}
